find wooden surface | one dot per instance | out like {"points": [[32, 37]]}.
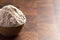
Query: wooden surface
{"points": [[43, 19]]}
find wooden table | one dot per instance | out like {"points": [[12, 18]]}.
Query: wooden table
{"points": [[43, 19]]}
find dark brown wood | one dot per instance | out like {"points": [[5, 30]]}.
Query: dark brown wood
{"points": [[43, 19]]}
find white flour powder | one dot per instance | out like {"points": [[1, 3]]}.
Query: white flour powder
{"points": [[11, 16]]}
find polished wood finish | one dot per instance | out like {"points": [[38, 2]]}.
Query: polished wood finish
{"points": [[43, 21]]}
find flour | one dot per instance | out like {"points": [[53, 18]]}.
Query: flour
{"points": [[11, 16]]}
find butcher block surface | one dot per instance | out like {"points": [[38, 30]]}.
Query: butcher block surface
{"points": [[43, 19]]}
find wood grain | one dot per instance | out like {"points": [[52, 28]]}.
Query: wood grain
{"points": [[42, 19]]}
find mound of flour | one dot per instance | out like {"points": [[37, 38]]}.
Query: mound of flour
{"points": [[10, 16]]}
